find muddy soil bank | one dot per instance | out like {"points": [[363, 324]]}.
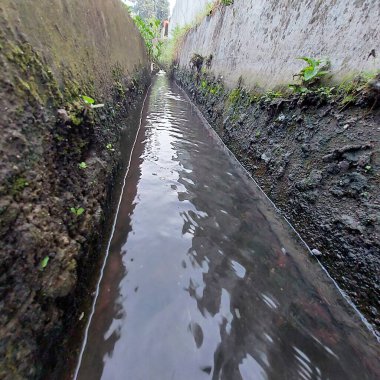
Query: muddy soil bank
{"points": [[54, 161], [319, 162], [59, 161]]}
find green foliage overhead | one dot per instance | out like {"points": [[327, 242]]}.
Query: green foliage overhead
{"points": [[148, 9], [151, 33]]}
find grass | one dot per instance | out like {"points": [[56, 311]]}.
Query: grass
{"points": [[19, 185]]}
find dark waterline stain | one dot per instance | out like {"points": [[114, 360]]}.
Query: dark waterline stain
{"points": [[204, 280]]}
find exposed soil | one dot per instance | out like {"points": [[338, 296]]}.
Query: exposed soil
{"points": [[319, 162], [48, 252], [59, 166]]}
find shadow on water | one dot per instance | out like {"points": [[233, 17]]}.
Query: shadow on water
{"points": [[204, 280]]}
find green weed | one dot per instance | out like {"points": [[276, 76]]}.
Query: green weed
{"points": [[316, 68], [311, 74], [44, 262], [90, 102], [110, 147], [270, 95], [19, 185], [234, 95], [78, 211]]}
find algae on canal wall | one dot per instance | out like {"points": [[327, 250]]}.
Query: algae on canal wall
{"points": [[59, 158]]}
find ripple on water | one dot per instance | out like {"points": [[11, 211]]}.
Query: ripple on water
{"points": [[198, 284]]}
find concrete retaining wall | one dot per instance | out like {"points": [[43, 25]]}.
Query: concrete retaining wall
{"points": [[86, 37], [260, 40], [185, 12], [51, 53]]}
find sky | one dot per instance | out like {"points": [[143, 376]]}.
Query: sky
{"points": [[171, 2]]}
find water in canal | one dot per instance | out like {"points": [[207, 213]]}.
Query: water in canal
{"points": [[204, 280]]}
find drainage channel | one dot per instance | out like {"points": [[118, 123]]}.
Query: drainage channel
{"points": [[204, 279]]}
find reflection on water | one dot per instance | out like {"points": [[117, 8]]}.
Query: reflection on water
{"points": [[204, 280]]}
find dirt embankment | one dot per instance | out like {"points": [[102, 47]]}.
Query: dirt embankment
{"points": [[59, 158], [319, 161]]}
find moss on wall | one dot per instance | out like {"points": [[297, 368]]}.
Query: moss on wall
{"points": [[51, 53]]}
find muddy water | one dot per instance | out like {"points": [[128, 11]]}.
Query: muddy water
{"points": [[204, 280]]}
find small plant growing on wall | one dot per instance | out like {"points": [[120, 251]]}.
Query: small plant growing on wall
{"points": [[90, 103], [311, 74], [196, 62], [78, 211], [110, 147], [44, 262]]}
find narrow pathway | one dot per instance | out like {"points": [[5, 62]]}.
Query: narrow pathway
{"points": [[204, 280]]}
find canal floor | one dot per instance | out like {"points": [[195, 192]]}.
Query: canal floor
{"points": [[204, 279]]}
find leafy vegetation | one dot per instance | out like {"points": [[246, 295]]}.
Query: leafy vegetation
{"points": [[82, 165], [151, 33], [44, 262], [234, 95], [19, 185], [78, 211], [110, 147], [271, 94], [315, 69], [89, 102], [351, 89], [148, 9], [311, 74]]}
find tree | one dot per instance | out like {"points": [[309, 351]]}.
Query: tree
{"points": [[147, 9]]}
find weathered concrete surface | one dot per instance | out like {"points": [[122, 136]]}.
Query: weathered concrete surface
{"points": [[185, 12], [88, 37], [51, 52], [260, 40]]}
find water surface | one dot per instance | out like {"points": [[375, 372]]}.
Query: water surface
{"points": [[204, 280]]}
